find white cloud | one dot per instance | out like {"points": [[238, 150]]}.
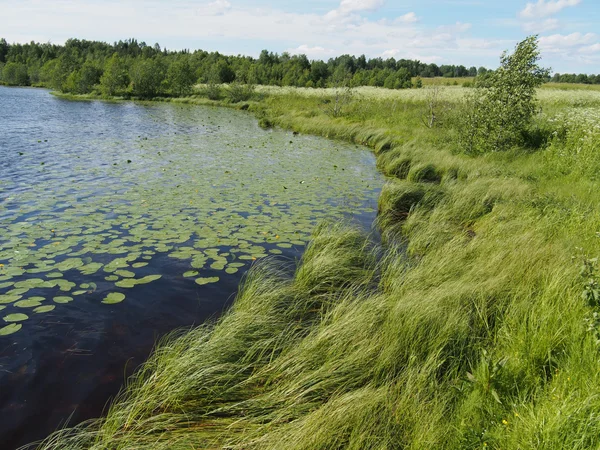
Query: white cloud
{"points": [[544, 8], [390, 53], [541, 27], [216, 8], [564, 41], [595, 48], [350, 6], [410, 17], [348, 9], [315, 52]]}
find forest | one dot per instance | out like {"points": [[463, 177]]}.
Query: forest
{"points": [[134, 68]]}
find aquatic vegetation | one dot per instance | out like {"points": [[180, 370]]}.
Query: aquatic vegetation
{"points": [[207, 189]]}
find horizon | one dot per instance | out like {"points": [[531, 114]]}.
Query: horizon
{"points": [[324, 29]]}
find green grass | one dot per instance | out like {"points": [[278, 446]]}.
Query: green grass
{"points": [[464, 328]]}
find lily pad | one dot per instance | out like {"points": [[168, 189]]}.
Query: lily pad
{"points": [[114, 297], [203, 281], [27, 303], [6, 298], [148, 279], [62, 299], [44, 309], [126, 283], [10, 329], [125, 273], [16, 317]]}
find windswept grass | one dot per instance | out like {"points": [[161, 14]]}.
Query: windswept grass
{"points": [[464, 328]]}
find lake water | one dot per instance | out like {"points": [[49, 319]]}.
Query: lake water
{"points": [[122, 221]]}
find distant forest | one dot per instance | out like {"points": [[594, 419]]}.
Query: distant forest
{"points": [[134, 68]]}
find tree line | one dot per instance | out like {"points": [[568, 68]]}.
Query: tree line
{"points": [[581, 78], [135, 68]]}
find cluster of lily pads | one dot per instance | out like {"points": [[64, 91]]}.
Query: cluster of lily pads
{"points": [[216, 193]]}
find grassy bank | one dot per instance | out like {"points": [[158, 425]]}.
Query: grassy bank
{"points": [[470, 326]]}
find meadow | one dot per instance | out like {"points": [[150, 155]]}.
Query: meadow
{"points": [[473, 322]]}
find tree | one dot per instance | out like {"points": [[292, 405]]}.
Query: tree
{"points": [[15, 74], [181, 76], [115, 78], [500, 109], [224, 72], [4, 47], [147, 76]]}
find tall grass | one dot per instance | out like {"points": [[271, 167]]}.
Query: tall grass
{"points": [[464, 328]]}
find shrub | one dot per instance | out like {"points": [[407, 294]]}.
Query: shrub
{"points": [[238, 92]]}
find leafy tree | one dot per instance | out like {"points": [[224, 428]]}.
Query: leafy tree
{"points": [[319, 73], [68, 62], [181, 77], [500, 109], [82, 81], [115, 78], [147, 76], [224, 72], [15, 74], [89, 77]]}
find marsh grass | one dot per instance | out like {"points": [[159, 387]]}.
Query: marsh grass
{"points": [[464, 328]]}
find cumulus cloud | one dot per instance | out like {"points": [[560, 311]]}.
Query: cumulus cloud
{"points": [[545, 8]]}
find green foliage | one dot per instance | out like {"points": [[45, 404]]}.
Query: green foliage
{"points": [[147, 76], [222, 73], [498, 112], [15, 74], [4, 47], [237, 92], [57, 66], [115, 78], [213, 91], [181, 77], [83, 81]]}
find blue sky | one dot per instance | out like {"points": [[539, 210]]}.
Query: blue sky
{"points": [[468, 32]]}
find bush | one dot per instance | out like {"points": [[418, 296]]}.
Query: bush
{"points": [[238, 92]]}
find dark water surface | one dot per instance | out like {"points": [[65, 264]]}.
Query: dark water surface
{"points": [[120, 222]]}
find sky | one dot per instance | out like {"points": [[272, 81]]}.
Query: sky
{"points": [[467, 32]]}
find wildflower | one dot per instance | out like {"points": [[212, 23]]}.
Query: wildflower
{"points": [[505, 422]]}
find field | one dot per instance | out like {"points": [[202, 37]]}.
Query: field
{"points": [[472, 323]]}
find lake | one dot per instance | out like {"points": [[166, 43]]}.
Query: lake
{"points": [[121, 221]]}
